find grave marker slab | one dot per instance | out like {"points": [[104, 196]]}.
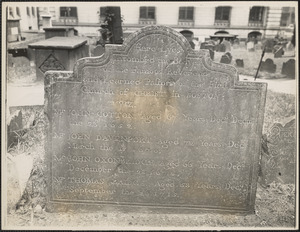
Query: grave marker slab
{"points": [[279, 164], [239, 63], [153, 123], [268, 66], [288, 68]]}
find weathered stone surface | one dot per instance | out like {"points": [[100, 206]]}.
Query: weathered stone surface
{"points": [[279, 160], [268, 66], [58, 53], [226, 58], [239, 63], [153, 123], [288, 68]]}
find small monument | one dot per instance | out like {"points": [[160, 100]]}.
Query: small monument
{"points": [[239, 63], [268, 66], [288, 68]]}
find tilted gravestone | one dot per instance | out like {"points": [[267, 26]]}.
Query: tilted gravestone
{"points": [[153, 123], [279, 162], [239, 63], [268, 66], [288, 68]]}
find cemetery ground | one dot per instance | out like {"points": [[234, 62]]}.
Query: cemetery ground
{"points": [[275, 203]]}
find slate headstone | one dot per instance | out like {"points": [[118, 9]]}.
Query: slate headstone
{"points": [[268, 66], [239, 63], [220, 48], [153, 123], [227, 45], [226, 58], [288, 68], [258, 46], [279, 162]]}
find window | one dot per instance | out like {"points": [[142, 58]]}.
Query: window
{"points": [[186, 13], [102, 11], [11, 13], [68, 12], [18, 11], [147, 12], [222, 13], [287, 16], [32, 10], [28, 10], [256, 14]]}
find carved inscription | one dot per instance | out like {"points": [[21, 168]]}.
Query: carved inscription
{"points": [[155, 124]]}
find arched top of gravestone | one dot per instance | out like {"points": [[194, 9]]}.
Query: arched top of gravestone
{"points": [[160, 48], [155, 39]]}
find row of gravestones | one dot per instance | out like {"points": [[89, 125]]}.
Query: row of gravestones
{"points": [[288, 68]]}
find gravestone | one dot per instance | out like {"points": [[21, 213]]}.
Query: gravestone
{"points": [[226, 58], [250, 46], [268, 66], [279, 162], [278, 51], [58, 53], [258, 46], [220, 48], [227, 45], [153, 123], [288, 68], [239, 63]]}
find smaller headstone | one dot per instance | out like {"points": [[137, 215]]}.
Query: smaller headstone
{"points": [[99, 50], [279, 159], [226, 59], [258, 46], [288, 68], [250, 46], [227, 45], [268, 66], [278, 51], [289, 46], [220, 48], [239, 63]]}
